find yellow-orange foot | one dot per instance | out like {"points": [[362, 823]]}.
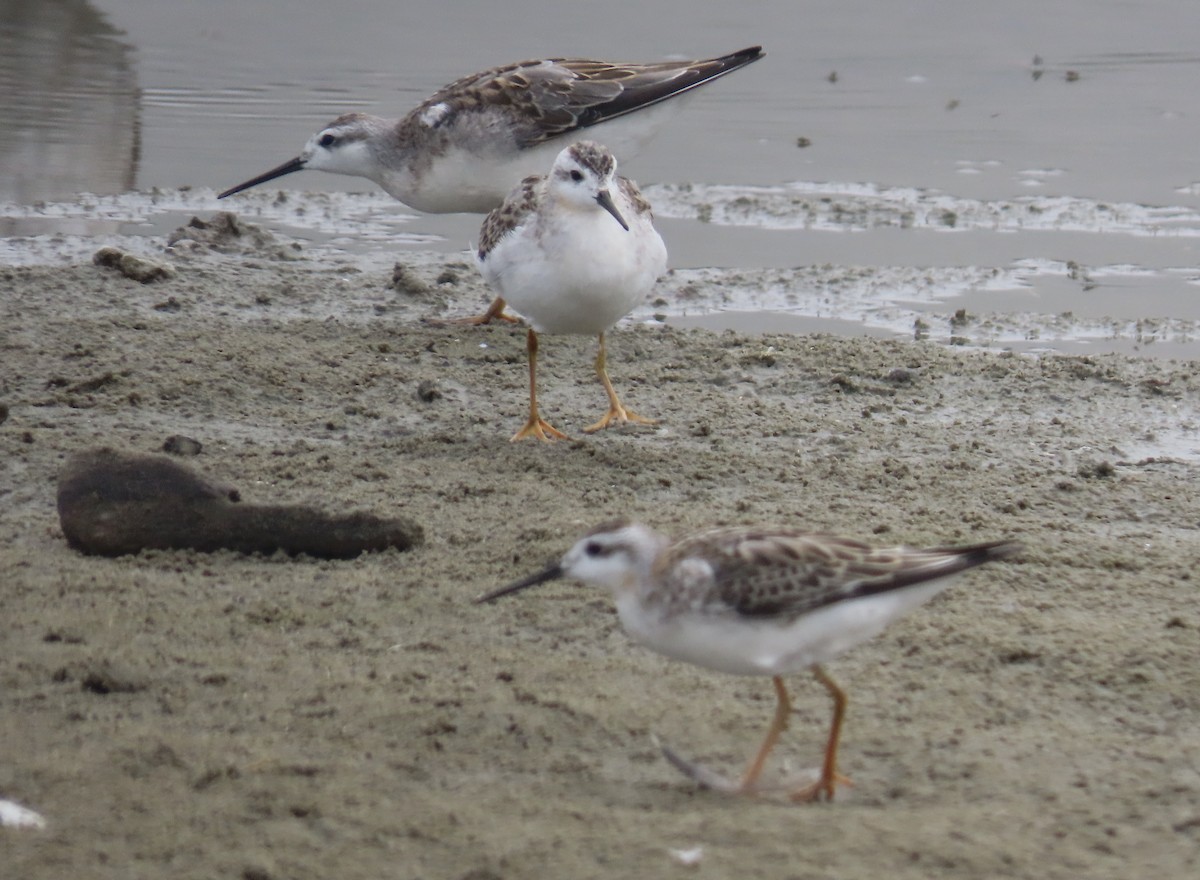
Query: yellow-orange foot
{"points": [[706, 778], [540, 428], [495, 312], [486, 318], [618, 414], [815, 790]]}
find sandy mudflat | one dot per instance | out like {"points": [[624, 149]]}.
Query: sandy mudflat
{"points": [[186, 715]]}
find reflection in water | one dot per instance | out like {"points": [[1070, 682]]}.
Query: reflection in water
{"points": [[69, 103]]}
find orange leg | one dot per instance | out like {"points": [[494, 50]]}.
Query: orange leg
{"points": [[829, 778], [535, 426], [783, 710], [616, 412]]}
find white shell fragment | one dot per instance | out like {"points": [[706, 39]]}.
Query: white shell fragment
{"points": [[13, 815], [689, 858]]}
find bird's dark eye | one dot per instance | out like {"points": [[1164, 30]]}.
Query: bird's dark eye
{"points": [[593, 548], [576, 175], [327, 140]]}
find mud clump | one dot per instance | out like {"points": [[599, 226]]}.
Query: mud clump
{"points": [[132, 266], [113, 503], [225, 233]]}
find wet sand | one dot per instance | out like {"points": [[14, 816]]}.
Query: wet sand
{"points": [[201, 715]]}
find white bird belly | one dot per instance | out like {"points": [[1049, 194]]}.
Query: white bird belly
{"points": [[579, 279], [770, 646], [462, 181]]}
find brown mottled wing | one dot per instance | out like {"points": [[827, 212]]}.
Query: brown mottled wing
{"points": [[552, 97], [630, 190], [646, 84], [512, 213], [760, 573], [538, 100]]}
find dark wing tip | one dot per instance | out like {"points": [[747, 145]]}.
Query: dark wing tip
{"points": [[954, 560], [658, 89], [978, 554], [747, 55]]}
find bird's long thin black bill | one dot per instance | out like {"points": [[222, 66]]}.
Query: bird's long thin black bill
{"points": [[549, 574], [605, 201], [288, 167]]}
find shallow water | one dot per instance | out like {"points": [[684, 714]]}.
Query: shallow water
{"points": [[947, 134]]}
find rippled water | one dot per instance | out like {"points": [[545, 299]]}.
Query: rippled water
{"points": [[1048, 147]]}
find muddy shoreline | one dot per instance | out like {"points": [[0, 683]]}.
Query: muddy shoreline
{"points": [[204, 715]]}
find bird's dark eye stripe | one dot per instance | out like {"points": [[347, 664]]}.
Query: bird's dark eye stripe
{"points": [[595, 548]]}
